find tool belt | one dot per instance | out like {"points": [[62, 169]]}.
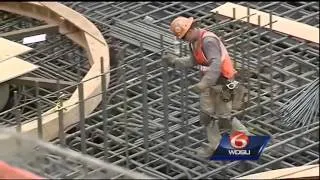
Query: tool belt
{"points": [[228, 87]]}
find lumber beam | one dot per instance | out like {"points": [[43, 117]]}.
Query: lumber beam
{"points": [[20, 34], [83, 32], [282, 25], [10, 49], [309, 172], [15, 67]]}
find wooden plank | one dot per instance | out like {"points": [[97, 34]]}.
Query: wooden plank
{"points": [[294, 172], [75, 18], [283, 25], [34, 3], [22, 33], [14, 67], [93, 42], [10, 49], [311, 172]]}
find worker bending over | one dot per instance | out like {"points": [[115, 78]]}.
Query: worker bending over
{"points": [[219, 92]]}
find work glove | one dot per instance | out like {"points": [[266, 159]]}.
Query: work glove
{"points": [[168, 58], [199, 87]]}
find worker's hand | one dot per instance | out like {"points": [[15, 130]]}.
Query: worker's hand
{"points": [[199, 87], [168, 58]]}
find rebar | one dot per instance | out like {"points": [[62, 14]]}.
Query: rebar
{"points": [[148, 120], [303, 108]]}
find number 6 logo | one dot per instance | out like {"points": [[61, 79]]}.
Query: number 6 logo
{"points": [[239, 140]]}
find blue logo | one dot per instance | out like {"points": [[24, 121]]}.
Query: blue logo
{"points": [[238, 146]]}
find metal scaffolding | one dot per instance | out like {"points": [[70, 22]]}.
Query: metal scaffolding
{"points": [[148, 120]]}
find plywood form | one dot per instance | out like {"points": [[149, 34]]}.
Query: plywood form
{"points": [[14, 67], [86, 35], [9, 49], [73, 17], [283, 25], [286, 173]]}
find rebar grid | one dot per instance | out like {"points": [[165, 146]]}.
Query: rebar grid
{"points": [[59, 59], [277, 67], [51, 161], [10, 22]]}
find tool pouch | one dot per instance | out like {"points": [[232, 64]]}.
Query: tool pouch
{"points": [[240, 97], [226, 94]]}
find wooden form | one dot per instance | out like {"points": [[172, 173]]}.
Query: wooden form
{"points": [[81, 31], [10, 49], [282, 25], [11, 66], [14, 67], [310, 171], [20, 34]]}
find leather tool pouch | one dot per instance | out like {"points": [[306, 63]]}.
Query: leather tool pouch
{"points": [[226, 94]]}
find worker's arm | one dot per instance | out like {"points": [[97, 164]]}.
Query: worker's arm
{"points": [[185, 61], [212, 51]]}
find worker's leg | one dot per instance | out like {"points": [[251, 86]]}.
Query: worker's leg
{"points": [[213, 133], [211, 126], [239, 101], [223, 111]]}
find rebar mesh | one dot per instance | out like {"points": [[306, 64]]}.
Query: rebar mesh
{"points": [[154, 132], [50, 161]]}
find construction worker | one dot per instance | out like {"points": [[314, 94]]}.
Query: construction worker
{"points": [[219, 91]]}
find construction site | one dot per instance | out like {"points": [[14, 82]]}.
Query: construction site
{"points": [[94, 99]]}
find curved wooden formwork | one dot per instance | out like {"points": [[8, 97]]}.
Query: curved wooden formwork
{"points": [[301, 172], [81, 31]]}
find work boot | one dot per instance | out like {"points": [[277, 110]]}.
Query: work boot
{"points": [[205, 152], [214, 137], [238, 126]]}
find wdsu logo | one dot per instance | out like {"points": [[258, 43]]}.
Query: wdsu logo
{"points": [[238, 146]]}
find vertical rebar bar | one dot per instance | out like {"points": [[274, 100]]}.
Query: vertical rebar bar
{"points": [[60, 117], [271, 64], [244, 76], [17, 115], [165, 77], [59, 107], [82, 124], [78, 70], [259, 67], [39, 111], [282, 76], [125, 111], [234, 50], [145, 105], [299, 81], [182, 95], [17, 112], [82, 117], [104, 107], [185, 102], [248, 62], [58, 82]]}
